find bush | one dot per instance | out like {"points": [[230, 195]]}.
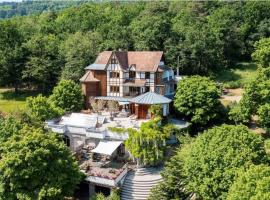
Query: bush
{"points": [[67, 95], [40, 109], [156, 110], [239, 114], [264, 116]]}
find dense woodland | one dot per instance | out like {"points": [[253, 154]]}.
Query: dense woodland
{"points": [[27, 7], [199, 37]]}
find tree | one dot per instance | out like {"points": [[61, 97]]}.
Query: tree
{"points": [[35, 165], [8, 127], [197, 98], [264, 116], [150, 28], [254, 183], [43, 66], [208, 165], [262, 52], [79, 50], [256, 93], [67, 95], [148, 144], [40, 109], [12, 56], [156, 110]]}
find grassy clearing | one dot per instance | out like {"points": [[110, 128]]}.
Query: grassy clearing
{"points": [[236, 77], [13, 102]]}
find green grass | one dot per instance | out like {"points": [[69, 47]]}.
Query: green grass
{"points": [[236, 77], [13, 102]]}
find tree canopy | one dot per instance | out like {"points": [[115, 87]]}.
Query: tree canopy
{"points": [[208, 165], [198, 37], [67, 95], [197, 98], [148, 144], [35, 165], [254, 183], [39, 109], [262, 52]]}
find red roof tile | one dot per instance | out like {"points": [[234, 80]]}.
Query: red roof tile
{"points": [[143, 60], [88, 77]]}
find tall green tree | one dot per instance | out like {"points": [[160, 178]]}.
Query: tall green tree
{"points": [[197, 98], [12, 58], [79, 50], [254, 183], [43, 66], [35, 165], [261, 55], [208, 165], [150, 29], [67, 95]]}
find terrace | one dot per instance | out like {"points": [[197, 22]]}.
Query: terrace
{"points": [[104, 165], [94, 125]]}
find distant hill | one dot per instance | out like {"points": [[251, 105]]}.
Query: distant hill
{"points": [[10, 9]]}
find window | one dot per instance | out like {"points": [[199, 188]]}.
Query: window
{"points": [[132, 74], [134, 89], [147, 75], [114, 89], [113, 61], [171, 88], [114, 74]]}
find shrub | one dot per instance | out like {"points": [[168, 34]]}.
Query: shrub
{"points": [[67, 95], [40, 109]]}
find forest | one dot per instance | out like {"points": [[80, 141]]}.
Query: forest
{"points": [[27, 7], [198, 37]]}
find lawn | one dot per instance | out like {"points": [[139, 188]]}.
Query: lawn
{"points": [[11, 101], [236, 77]]}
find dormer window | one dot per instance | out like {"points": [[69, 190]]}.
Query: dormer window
{"points": [[132, 74], [113, 61]]}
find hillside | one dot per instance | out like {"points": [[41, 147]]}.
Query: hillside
{"points": [[10, 9]]}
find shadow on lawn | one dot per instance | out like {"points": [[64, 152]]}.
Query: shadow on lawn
{"points": [[19, 96]]}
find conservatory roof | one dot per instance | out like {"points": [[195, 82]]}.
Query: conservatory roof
{"points": [[150, 98]]}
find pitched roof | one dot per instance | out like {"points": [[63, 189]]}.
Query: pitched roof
{"points": [[143, 60], [88, 77], [101, 61], [150, 98]]}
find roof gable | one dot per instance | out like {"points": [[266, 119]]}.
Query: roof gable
{"points": [[143, 60]]}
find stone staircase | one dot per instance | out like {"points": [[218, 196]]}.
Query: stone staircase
{"points": [[137, 184]]}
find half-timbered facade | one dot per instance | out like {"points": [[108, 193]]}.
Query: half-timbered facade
{"points": [[127, 74]]}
